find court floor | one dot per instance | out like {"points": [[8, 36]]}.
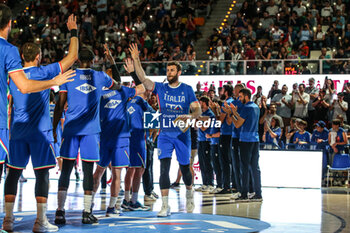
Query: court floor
{"points": [[285, 209]]}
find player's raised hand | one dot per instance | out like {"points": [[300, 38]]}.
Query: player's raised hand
{"points": [[108, 54], [129, 65], [64, 78], [226, 108], [72, 22], [134, 51]]}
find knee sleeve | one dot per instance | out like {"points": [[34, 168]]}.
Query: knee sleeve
{"points": [[186, 174], [42, 182], [12, 181], [164, 180], [88, 182], [67, 167]]}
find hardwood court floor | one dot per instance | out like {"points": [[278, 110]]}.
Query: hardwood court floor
{"points": [[286, 209]]}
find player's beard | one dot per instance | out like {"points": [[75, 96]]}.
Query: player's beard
{"points": [[173, 79]]}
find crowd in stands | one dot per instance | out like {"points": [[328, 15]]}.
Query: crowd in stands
{"points": [[164, 30], [283, 29]]}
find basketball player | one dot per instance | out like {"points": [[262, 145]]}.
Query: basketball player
{"points": [[81, 128], [176, 99], [31, 131], [10, 63], [115, 136]]}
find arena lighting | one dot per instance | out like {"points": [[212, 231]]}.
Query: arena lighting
{"points": [[201, 66], [199, 71], [258, 9], [15, 21], [307, 4], [220, 28], [234, 2], [225, 20], [55, 37], [222, 24], [37, 39], [27, 8], [230, 9], [31, 17], [204, 62], [30, 25], [208, 52], [21, 30], [228, 12], [232, 5], [226, 16], [123, 34], [47, 25], [107, 39], [60, 2]]}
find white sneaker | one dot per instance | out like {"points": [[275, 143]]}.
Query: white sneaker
{"points": [[200, 188], [250, 195], [44, 226], [235, 196], [148, 198], [216, 190], [208, 188], [164, 212], [189, 201], [7, 224]]}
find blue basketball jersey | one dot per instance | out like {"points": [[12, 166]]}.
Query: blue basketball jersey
{"points": [[10, 62], [31, 112], [249, 130], [114, 118], [225, 128], [173, 102], [239, 105], [136, 108], [83, 97], [201, 133]]}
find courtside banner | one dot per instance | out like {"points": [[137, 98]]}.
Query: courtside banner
{"points": [[253, 81]]}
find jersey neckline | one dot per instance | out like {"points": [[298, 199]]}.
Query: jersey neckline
{"points": [[176, 86]]}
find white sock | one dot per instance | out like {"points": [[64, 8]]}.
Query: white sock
{"points": [[9, 209], [127, 196], [61, 199], [112, 202], [87, 202], [41, 211], [93, 195], [165, 201], [189, 193], [134, 197]]}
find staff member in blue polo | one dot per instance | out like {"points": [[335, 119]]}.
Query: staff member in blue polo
{"points": [[248, 122]]}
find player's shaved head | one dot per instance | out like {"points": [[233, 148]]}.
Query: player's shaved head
{"points": [[86, 55], [5, 16], [29, 51]]}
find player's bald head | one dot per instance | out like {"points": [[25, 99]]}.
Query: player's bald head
{"points": [[5, 16]]}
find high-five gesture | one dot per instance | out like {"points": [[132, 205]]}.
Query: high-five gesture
{"points": [[72, 22]]}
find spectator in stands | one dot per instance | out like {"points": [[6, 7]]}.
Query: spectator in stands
{"points": [[304, 68], [326, 65], [320, 139], [339, 107], [272, 132], [249, 54], [274, 90], [313, 92], [326, 12], [258, 96], [300, 100], [240, 22], [347, 99], [265, 23], [304, 50], [330, 90], [302, 137], [274, 69], [321, 105], [319, 38], [268, 115], [290, 130], [299, 9], [337, 139], [272, 8], [283, 103], [339, 65]]}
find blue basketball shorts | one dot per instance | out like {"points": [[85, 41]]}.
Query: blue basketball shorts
{"points": [[138, 150], [88, 145], [4, 145], [39, 148], [181, 144], [114, 151]]}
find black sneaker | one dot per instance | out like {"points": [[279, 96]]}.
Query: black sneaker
{"points": [[88, 218], [256, 198], [224, 191], [60, 217], [175, 185]]}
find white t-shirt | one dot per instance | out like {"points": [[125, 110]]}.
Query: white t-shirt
{"points": [[338, 110], [300, 10], [273, 10], [300, 108], [283, 110], [326, 11]]}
